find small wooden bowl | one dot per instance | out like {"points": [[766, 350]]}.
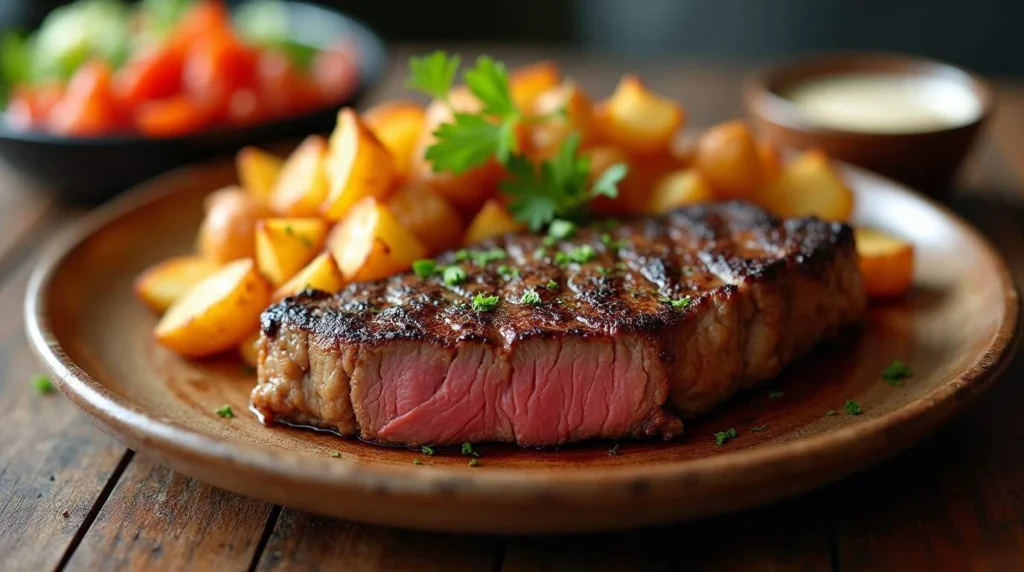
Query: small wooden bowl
{"points": [[924, 160]]}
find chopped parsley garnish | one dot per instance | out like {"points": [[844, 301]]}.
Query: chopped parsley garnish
{"points": [[540, 252], [561, 229], [680, 303], [226, 412], [758, 428], [620, 266], [830, 413], [42, 384], [462, 255], [551, 285], [427, 450], [474, 463], [895, 373], [614, 450], [507, 272], [483, 303], [611, 243], [580, 255], [417, 462], [467, 449], [723, 437], [484, 257], [603, 271], [453, 276], [557, 187], [548, 241], [424, 268], [775, 394], [336, 454], [852, 407], [530, 297]]}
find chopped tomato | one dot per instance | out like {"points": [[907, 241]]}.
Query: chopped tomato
{"points": [[87, 107], [171, 117], [245, 107], [30, 106], [205, 18], [152, 74], [285, 89], [216, 67], [334, 72]]}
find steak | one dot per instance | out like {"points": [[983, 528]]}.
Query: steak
{"points": [[632, 327]]}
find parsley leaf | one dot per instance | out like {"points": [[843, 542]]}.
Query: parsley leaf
{"points": [[561, 229], [852, 407], [226, 412], [468, 141], [607, 184], [427, 450], [424, 268], [433, 74], [895, 373], [723, 437], [680, 303], [488, 80], [551, 285], [483, 303], [42, 384], [534, 195], [453, 276], [417, 462], [614, 450], [474, 463], [530, 297], [507, 272]]}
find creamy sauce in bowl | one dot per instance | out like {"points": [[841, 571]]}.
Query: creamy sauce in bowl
{"points": [[885, 103]]}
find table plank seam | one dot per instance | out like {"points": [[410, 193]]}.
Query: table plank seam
{"points": [[101, 500], [268, 529]]}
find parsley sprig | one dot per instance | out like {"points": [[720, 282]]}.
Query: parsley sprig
{"points": [[557, 187]]}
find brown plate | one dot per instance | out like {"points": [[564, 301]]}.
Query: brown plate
{"points": [[956, 332]]}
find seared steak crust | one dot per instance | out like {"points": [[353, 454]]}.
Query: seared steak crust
{"points": [[407, 359]]}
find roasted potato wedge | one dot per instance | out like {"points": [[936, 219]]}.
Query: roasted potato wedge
{"points": [[162, 284], [248, 349], [728, 157], [302, 186], [886, 263], [678, 188], [528, 82], [217, 313], [639, 121], [808, 185], [358, 166], [466, 191], [771, 160], [258, 171], [568, 110], [285, 245], [228, 228], [398, 125], [371, 243], [492, 220], [320, 274], [435, 222], [637, 188]]}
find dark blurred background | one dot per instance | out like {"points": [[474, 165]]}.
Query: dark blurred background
{"points": [[984, 35]]}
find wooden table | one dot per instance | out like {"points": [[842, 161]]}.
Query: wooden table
{"points": [[72, 497]]}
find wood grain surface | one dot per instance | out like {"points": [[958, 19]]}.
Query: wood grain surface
{"points": [[955, 502]]}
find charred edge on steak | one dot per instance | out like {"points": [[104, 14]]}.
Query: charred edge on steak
{"points": [[693, 251]]}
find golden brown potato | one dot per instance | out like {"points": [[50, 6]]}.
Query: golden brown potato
{"points": [[436, 223], [546, 137], [637, 188], [248, 349], [216, 314], [466, 191], [258, 171], [492, 220], [357, 166], [528, 82], [371, 243], [162, 284], [808, 185], [320, 274], [886, 263], [285, 245], [228, 229], [771, 160], [398, 125], [728, 158], [302, 185], [679, 188], [639, 121]]}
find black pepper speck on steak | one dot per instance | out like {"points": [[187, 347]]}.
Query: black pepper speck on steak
{"points": [[613, 348]]}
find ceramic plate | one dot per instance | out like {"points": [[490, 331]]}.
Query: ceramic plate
{"points": [[956, 331]]}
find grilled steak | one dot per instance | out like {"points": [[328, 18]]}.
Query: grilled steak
{"points": [[631, 328]]}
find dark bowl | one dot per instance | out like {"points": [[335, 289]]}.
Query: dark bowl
{"points": [[89, 170], [924, 160]]}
